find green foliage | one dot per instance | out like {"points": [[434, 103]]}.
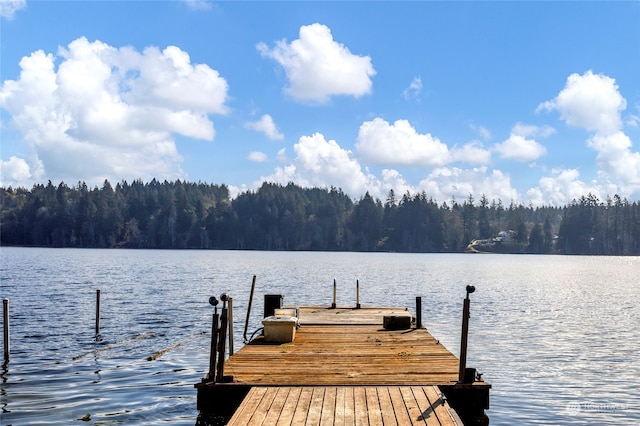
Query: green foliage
{"points": [[182, 215]]}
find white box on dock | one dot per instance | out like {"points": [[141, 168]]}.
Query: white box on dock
{"points": [[279, 329]]}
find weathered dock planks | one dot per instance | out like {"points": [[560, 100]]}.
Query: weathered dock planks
{"points": [[346, 355], [345, 368], [345, 405]]}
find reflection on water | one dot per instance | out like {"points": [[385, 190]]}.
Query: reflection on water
{"points": [[556, 336]]}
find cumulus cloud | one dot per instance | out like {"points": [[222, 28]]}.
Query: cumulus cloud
{"points": [[319, 67], [590, 101], [257, 157], [267, 126], [517, 147], [562, 187], [111, 113], [323, 163], [593, 102], [15, 170], [8, 8], [399, 144], [414, 89], [444, 183], [471, 153]]}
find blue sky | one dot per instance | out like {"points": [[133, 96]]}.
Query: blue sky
{"points": [[532, 102]]}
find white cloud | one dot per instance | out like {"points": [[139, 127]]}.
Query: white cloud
{"points": [[266, 126], [198, 4], [414, 89], [109, 112], [590, 101], [323, 163], [531, 130], [562, 187], [8, 8], [482, 131], [444, 183], [471, 153], [617, 161], [257, 157], [318, 67], [519, 148], [593, 102], [15, 170], [399, 144]]}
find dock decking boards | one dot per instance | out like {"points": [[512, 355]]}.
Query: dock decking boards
{"points": [[346, 355], [344, 405], [345, 368]]}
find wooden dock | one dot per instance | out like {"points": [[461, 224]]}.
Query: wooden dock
{"points": [[344, 367], [345, 405]]}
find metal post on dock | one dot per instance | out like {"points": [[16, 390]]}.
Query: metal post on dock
{"points": [[357, 294], [230, 326], [5, 319], [462, 373], [246, 320], [222, 338], [97, 312], [418, 312], [333, 305], [213, 301]]}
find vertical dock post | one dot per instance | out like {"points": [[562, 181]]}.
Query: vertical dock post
{"points": [[333, 305], [213, 301], [222, 338], [5, 319], [97, 312], [418, 312], [357, 294], [230, 326], [463, 339]]}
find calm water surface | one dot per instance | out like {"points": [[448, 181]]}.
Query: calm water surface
{"points": [[557, 336]]}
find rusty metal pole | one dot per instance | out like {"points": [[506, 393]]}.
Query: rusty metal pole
{"points": [[464, 335]]}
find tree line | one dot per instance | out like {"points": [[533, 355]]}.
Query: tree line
{"points": [[186, 215]]}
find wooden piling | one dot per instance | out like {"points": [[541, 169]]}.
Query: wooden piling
{"points": [[333, 305], [230, 326], [222, 340], [97, 312], [5, 318], [214, 346]]}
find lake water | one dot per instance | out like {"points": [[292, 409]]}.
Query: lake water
{"points": [[557, 336]]}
